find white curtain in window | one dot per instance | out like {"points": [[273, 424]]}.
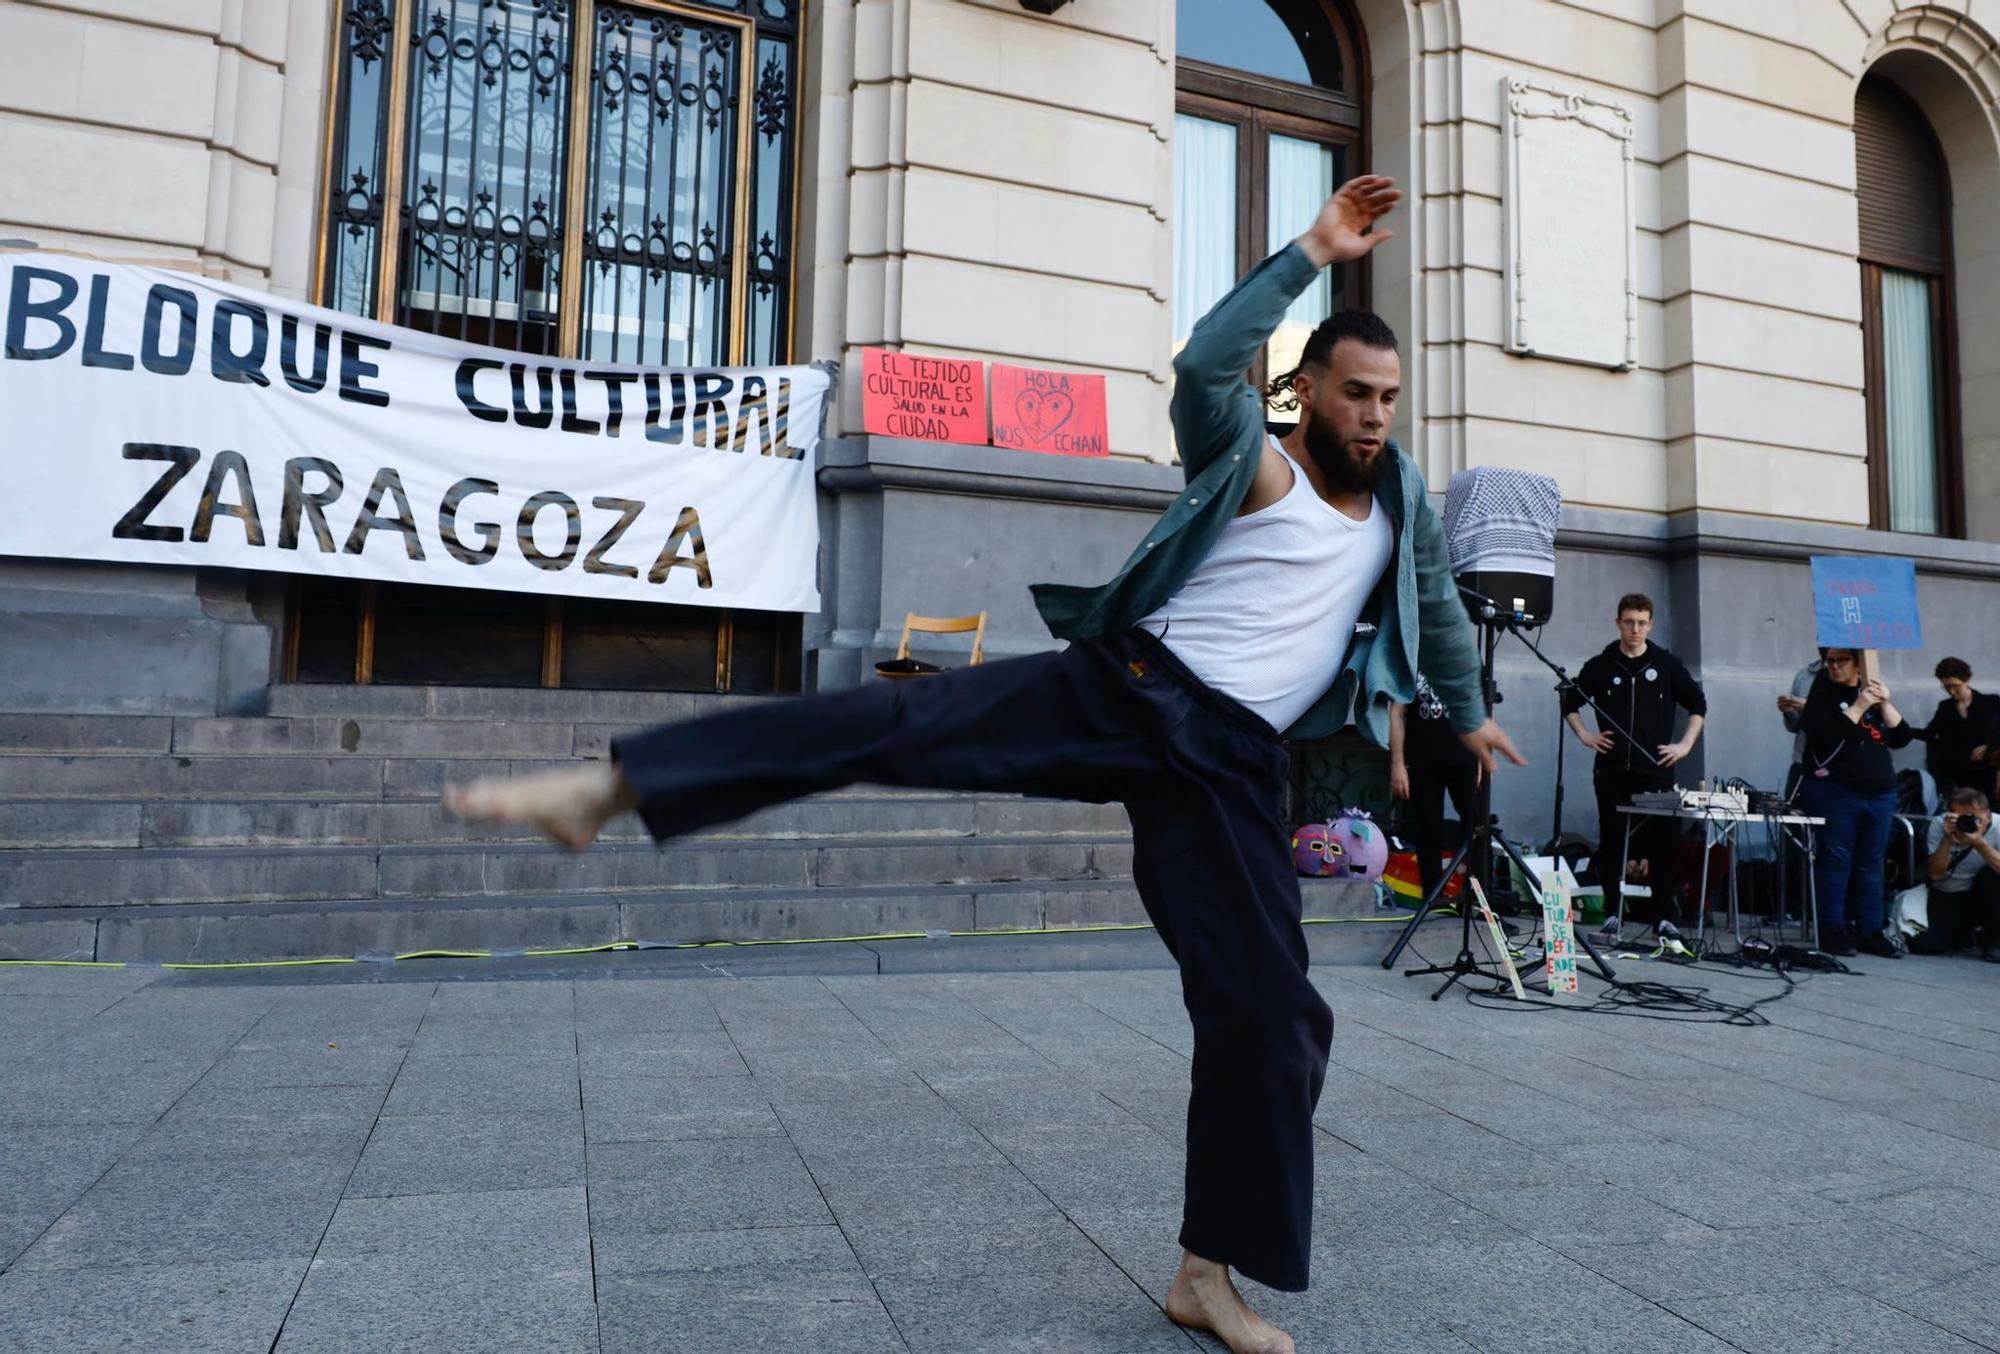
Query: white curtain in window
{"points": [[1204, 218], [1301, 180], [1908, 389]]}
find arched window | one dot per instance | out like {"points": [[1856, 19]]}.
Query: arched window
{"points": [[609, 180], [1914, 470], [1267, 123]]}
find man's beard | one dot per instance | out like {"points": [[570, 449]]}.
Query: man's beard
{"points": [[1339, 464]]}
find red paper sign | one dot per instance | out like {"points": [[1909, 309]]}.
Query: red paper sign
{"points": [[934, 399], [1058, 411]]}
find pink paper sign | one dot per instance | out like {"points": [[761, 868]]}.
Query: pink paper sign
{"points": [[932, 399], [1058, 411]]}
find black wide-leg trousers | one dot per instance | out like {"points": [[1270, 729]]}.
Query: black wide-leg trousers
{"points": [[1117, 719]]}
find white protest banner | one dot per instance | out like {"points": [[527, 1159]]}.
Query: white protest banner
{"points": [[153, 417]]}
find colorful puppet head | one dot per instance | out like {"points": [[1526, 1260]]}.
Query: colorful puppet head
{"points": [[1315, 852], [1363, 846]]}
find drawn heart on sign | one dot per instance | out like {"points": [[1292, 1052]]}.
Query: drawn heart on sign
{"points": [[1042, 411]]}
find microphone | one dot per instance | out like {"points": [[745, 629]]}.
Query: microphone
{"points": [[1500, 526]]}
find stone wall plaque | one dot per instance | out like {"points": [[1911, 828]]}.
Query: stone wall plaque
{"points": [[1571, 284]]}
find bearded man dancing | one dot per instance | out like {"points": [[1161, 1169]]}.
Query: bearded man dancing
{"points": [[1296, 581]]}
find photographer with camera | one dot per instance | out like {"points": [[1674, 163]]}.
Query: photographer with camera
{"points": [[1964, 870]]}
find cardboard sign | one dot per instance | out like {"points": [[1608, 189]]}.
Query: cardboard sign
{"points": [[1863, 602], [931, 399], [1499, 939], [1561, 937], [1057, 411]]}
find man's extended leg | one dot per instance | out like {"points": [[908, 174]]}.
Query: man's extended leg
{"points": [[1076, 724]]}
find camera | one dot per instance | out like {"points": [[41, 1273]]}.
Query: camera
{"points": [[1968, 823]]}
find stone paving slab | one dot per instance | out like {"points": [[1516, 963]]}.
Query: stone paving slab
{"points": [[458, 1271], [187, 1305], [453, 1153], [914, 1146]]}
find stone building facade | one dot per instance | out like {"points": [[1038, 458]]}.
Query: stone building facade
{"points": [[974, 178]]}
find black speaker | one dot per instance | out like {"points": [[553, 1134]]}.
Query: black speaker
{"points": [[1523, 599], [1500, 526]]}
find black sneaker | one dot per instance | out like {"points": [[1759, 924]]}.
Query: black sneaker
{"points": [[1840, 947], [1881, 947], [1990, 956]]}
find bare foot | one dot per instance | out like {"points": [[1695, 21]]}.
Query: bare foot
{"points": [[570, 806], [1203, 1298]]}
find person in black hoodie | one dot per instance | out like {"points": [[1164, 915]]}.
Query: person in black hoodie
{"points": [[1851, 782], [1638, 686]]}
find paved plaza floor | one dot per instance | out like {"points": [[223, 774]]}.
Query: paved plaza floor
{"points": [[972, 1145]]}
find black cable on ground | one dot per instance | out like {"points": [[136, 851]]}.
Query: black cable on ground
{"points": [[1648, 1001]]}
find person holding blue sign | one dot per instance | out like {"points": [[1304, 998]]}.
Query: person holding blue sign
{"points": [[1851, 726]]}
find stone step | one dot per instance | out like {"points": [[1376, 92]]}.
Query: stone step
{"points": [[69, 824], [85, 733], [105, 878], [324, 735], [375, 737], [346, 927], [101, 777], [481, 703], [106, 777]]}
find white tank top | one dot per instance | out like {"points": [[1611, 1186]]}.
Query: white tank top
{"points": [[1267, 616]]}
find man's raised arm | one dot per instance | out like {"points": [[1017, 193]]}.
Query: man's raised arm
{"points": [[1214, 408]]}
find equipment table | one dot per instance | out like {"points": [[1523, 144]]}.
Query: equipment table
{"points": [[1719, 828]]}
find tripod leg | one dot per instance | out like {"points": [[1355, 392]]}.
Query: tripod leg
{"points": [[1603, 964], [1701, 899], [1429, 902]]}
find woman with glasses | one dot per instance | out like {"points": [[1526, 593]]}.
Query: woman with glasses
{"points": [[1850, 728]]}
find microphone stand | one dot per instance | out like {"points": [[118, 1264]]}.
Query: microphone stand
{"points": [[1480, 838], [1562, 746], [1485, 835]]}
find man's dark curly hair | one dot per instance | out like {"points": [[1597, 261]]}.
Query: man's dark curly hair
{"points": [[1364, 325]]}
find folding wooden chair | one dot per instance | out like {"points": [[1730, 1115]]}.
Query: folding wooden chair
{"points": [[902, 665]]}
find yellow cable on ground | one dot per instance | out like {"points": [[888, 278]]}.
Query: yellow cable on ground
{"points": [[65, 963], [263, 963], [616, 945]]}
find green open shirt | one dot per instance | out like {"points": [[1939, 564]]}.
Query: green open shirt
{"points": [[1219, 423]]}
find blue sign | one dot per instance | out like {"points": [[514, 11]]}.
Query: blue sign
{"points": [[1866, 602]]}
